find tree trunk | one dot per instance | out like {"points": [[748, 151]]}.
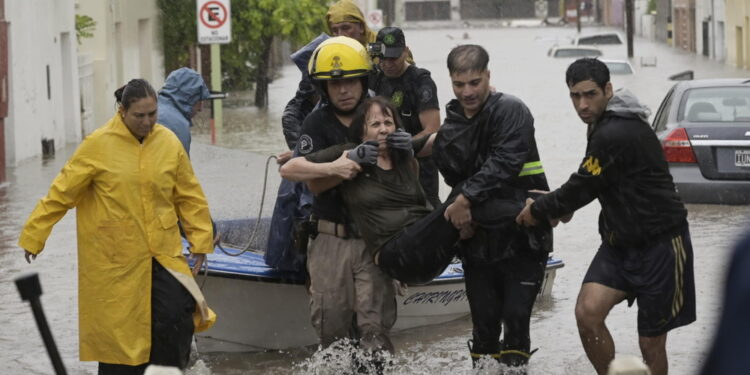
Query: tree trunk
{"points": [[263, 74]]}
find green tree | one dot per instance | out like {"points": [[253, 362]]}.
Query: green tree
{"points": [[179, 32], [255, 24], [85, 27]]}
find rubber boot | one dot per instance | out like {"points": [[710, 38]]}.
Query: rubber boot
{"points": [[478, 350], [516, 361]]}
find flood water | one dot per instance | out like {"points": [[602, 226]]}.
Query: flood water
{"points": [[232, 172]]}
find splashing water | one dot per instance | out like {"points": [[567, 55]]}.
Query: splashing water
{"points": [[344, 357]]}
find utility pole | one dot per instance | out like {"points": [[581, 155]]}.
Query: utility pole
{"points": [[629, 27], [578, 15]]}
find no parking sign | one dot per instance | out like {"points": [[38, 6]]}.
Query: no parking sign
{"points": [[375, 18], [214, 21]]}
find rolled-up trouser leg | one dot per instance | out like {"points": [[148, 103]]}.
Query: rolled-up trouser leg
{"points": [[486, 301], [172, 320], [522, 278], [422, 250]]}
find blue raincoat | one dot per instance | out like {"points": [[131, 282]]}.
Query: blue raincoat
{"points": [[183, 88]]}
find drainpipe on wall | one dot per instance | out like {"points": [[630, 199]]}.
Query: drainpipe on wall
{"points": [[713, 32], [3, 85]]}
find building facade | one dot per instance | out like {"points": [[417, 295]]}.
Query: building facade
{"points": [[126, 45], [684, 24], [710, 29], [40, 53], [738, 33]]}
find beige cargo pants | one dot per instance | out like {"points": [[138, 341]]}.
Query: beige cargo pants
{"points": [[345, 285]]}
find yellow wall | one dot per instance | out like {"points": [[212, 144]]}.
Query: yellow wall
{"points": [[737, 29]]}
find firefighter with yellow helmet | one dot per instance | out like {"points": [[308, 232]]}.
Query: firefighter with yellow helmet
{"points": [[345, 285]]}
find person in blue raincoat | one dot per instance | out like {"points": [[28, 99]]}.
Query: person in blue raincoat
{"points": [[179, 100]]}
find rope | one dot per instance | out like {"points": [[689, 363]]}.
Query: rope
{"points": [[257, 222], [255, 229]]}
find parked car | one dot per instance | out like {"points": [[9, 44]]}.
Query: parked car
{"points": [[598, 39], [618, 66], [573, 52], [704, 127]]}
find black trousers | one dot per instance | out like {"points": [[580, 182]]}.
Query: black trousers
{"points": [[429, 179], [502, 292], [172, 326], [422, 250]]}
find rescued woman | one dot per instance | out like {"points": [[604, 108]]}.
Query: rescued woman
{"points": [[130, 182], [412, 242]]}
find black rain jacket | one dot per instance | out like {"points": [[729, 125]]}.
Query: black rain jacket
{"points": [[625, 169], [488, 153], [493, 154]]}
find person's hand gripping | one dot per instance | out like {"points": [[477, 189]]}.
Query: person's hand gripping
{"points": [[400, 140], [364, 154]]}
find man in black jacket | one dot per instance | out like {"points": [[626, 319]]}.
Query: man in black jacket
{"points": [[646, 252], [486, 149]]}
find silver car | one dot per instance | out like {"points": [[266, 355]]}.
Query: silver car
{"points": [[704, 127], [573, 52]]}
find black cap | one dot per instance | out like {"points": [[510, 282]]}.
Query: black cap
{"points": [[393, 41]]}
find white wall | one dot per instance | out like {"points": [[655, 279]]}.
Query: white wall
{"points": [[126, 45], [41, 34]]}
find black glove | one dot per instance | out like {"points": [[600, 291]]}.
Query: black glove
{"points": [[365, 154], [399, 140]]}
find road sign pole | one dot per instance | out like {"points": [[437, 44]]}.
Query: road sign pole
{"points": [[216, 86]]}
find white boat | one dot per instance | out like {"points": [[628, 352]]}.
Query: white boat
{"points": [[260, 308]]}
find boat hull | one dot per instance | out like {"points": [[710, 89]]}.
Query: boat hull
{"points": [[256, 312]]}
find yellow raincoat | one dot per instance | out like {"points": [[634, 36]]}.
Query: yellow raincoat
{"points": [[129, 197], [347, 11]]}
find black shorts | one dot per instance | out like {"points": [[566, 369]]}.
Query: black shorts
{"points": [[659, 276]]}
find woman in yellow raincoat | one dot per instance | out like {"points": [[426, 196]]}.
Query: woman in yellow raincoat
{"points": [[131, 181]]}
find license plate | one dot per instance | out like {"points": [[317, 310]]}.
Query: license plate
{"points": [[742, 158]]}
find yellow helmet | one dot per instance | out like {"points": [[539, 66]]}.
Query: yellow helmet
{"points": [[339, 58]]}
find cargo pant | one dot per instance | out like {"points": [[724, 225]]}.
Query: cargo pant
{"points": [[345, 285]]}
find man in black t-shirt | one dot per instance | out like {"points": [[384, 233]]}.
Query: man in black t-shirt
{"points": [[346, 287], [414, 94]]}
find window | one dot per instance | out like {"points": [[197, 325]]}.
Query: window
{"points": [[716, 104], [619, 67], [577, 52], [660, 121], [600, 39]]}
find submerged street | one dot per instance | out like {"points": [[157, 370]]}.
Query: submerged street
{"points": [[232, 173]]}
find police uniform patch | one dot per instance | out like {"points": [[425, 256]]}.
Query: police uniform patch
{"points": [[305, 144], [397, 99], [426, 94]]}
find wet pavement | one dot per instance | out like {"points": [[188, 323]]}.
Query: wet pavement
{"points": [[232, 176]]}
